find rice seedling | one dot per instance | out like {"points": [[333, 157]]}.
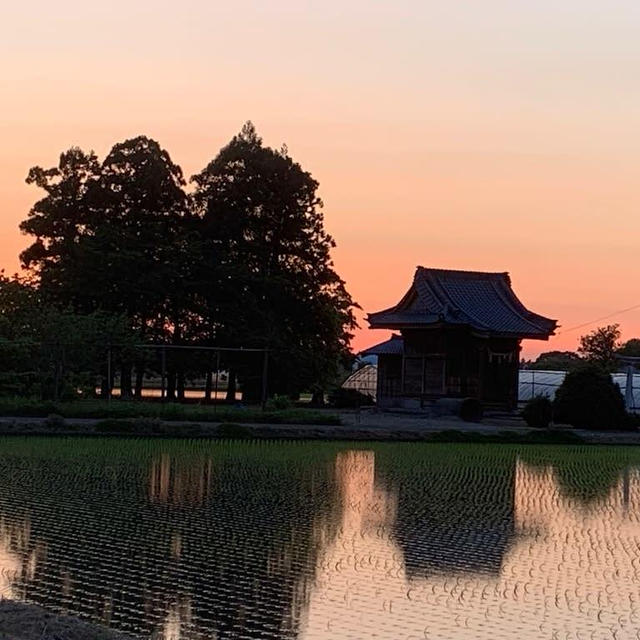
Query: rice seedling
{"points": [[250, 538]]}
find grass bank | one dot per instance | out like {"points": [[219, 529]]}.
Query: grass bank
{"points": [[534, 436], [122, 409]]}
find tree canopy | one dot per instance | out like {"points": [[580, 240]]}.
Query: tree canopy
{"points": [[599, 347], [263, 226], [555, 361], [243, 260], [630, 348]]}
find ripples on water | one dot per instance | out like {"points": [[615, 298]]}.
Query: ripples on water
{"points": [[193, 540]]}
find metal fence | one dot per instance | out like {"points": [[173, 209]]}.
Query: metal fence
{"points": [[87, 367]]}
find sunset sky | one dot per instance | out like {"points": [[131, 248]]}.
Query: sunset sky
{"points": [[498, 135]]}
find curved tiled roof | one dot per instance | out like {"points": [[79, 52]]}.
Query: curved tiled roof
{"points": [[483, 301], [392, 347]]}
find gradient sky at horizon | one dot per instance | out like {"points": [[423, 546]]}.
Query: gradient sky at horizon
{"points": [[501, 135]]}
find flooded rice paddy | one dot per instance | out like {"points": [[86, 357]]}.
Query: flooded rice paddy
{"points": [[191, 540]]}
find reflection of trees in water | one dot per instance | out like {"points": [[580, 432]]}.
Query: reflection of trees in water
{"points": [[179, 481], [18, 556], [585, 474], [170, 546]]}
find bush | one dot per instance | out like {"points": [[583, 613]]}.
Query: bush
{"points": [[471, 410], [342, 398], [633, 421], [538, 412], [278, 403], [588, 398]]}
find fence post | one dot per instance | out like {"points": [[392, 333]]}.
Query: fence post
{"points": [[109, 373], [533, 383], [265, 365], [628, 390], [163, 358], [215, 386]]}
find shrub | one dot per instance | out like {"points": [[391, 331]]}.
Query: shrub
{"points": [[342, 398], [538, 412], [471, 410], [233, 431], [588, 398], [633, 421], [278, 403]]}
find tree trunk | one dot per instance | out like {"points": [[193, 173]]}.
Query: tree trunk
{"points": [[176, 375], [251, 390], [208, 383], [139, 380], [104, 387], [231, 386], [125, 380], [317, 399], [171, 385], [180, 384]]}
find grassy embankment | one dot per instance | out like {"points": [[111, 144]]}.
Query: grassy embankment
{"points": [[122, 409]]}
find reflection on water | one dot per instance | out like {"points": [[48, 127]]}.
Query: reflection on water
{"points": [[18, 558], [193, 540], [179, 482], [570, 571]]}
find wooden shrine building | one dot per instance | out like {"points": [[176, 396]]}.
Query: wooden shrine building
{"points": [[460, 334]]}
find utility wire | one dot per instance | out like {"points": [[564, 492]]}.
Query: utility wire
{"points": [[611, 315]]}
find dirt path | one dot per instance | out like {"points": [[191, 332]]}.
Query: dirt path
{"points": [[362, 425]]}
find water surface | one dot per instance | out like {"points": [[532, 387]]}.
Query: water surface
{"points": [[181, 540]]}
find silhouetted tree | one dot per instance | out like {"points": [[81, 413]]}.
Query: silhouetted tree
{"points": [[59, 222], [555, 361], [138, 263], [263, 222], [599, 347], [51, 351], [630, 348], [111, 237], [245, 261]]}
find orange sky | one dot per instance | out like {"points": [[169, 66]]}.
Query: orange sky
{"points": [[498, 136]]}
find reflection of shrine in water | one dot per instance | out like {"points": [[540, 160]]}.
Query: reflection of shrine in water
{"points": [[564, 570], [454, 519]]}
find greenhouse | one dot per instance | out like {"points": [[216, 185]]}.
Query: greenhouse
{"points": [[364, 380], [531, 383]]}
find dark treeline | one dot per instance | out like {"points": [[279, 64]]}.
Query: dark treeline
{"points": [[123, 253], [601, 347]]}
